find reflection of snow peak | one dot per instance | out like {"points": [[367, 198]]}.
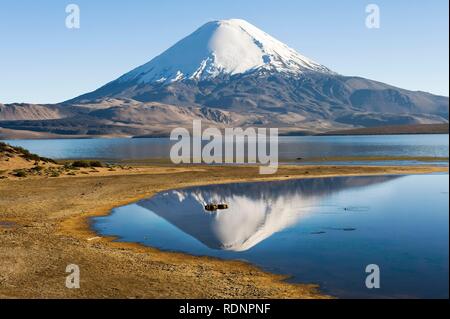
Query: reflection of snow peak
{"points": [[250, 222], [256, 210], [244, 224]]}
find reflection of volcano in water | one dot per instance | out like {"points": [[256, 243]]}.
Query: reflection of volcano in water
{"points": [[256, 210]]}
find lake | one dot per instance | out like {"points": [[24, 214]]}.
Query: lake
{"points": [[323, 230], [290, 147]]}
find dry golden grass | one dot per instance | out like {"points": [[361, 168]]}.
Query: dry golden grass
{"points": [[44, 226]]}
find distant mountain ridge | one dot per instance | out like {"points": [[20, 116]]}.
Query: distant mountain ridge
{"points": [[226, 73]]}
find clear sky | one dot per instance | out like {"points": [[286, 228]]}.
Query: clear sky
{"points": [[41, 61]]}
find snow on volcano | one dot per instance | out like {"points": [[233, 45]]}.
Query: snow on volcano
{"points": [[224, 47]]}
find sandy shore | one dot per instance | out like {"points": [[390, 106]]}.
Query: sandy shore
{"points": [[44, 226]]}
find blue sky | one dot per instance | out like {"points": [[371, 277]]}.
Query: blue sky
{"points": [[41, 61]]}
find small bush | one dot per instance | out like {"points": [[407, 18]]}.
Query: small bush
{"points": [[81, 164], [87, 164], [4, 147], [96, 164], [20, 173]]}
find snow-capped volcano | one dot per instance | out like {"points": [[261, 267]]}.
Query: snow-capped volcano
{"points": [[224, 47], [229, 72]]}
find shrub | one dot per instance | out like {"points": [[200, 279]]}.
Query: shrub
{"points": [[81, 164], [20, 173], [96, 164], [4, 147], [86, 164]]}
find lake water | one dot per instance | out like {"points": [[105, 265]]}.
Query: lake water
{"points": [[323, 231], [289, 147]]}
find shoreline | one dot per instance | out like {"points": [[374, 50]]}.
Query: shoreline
{"points": [[70, 222], [12, 134]]}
